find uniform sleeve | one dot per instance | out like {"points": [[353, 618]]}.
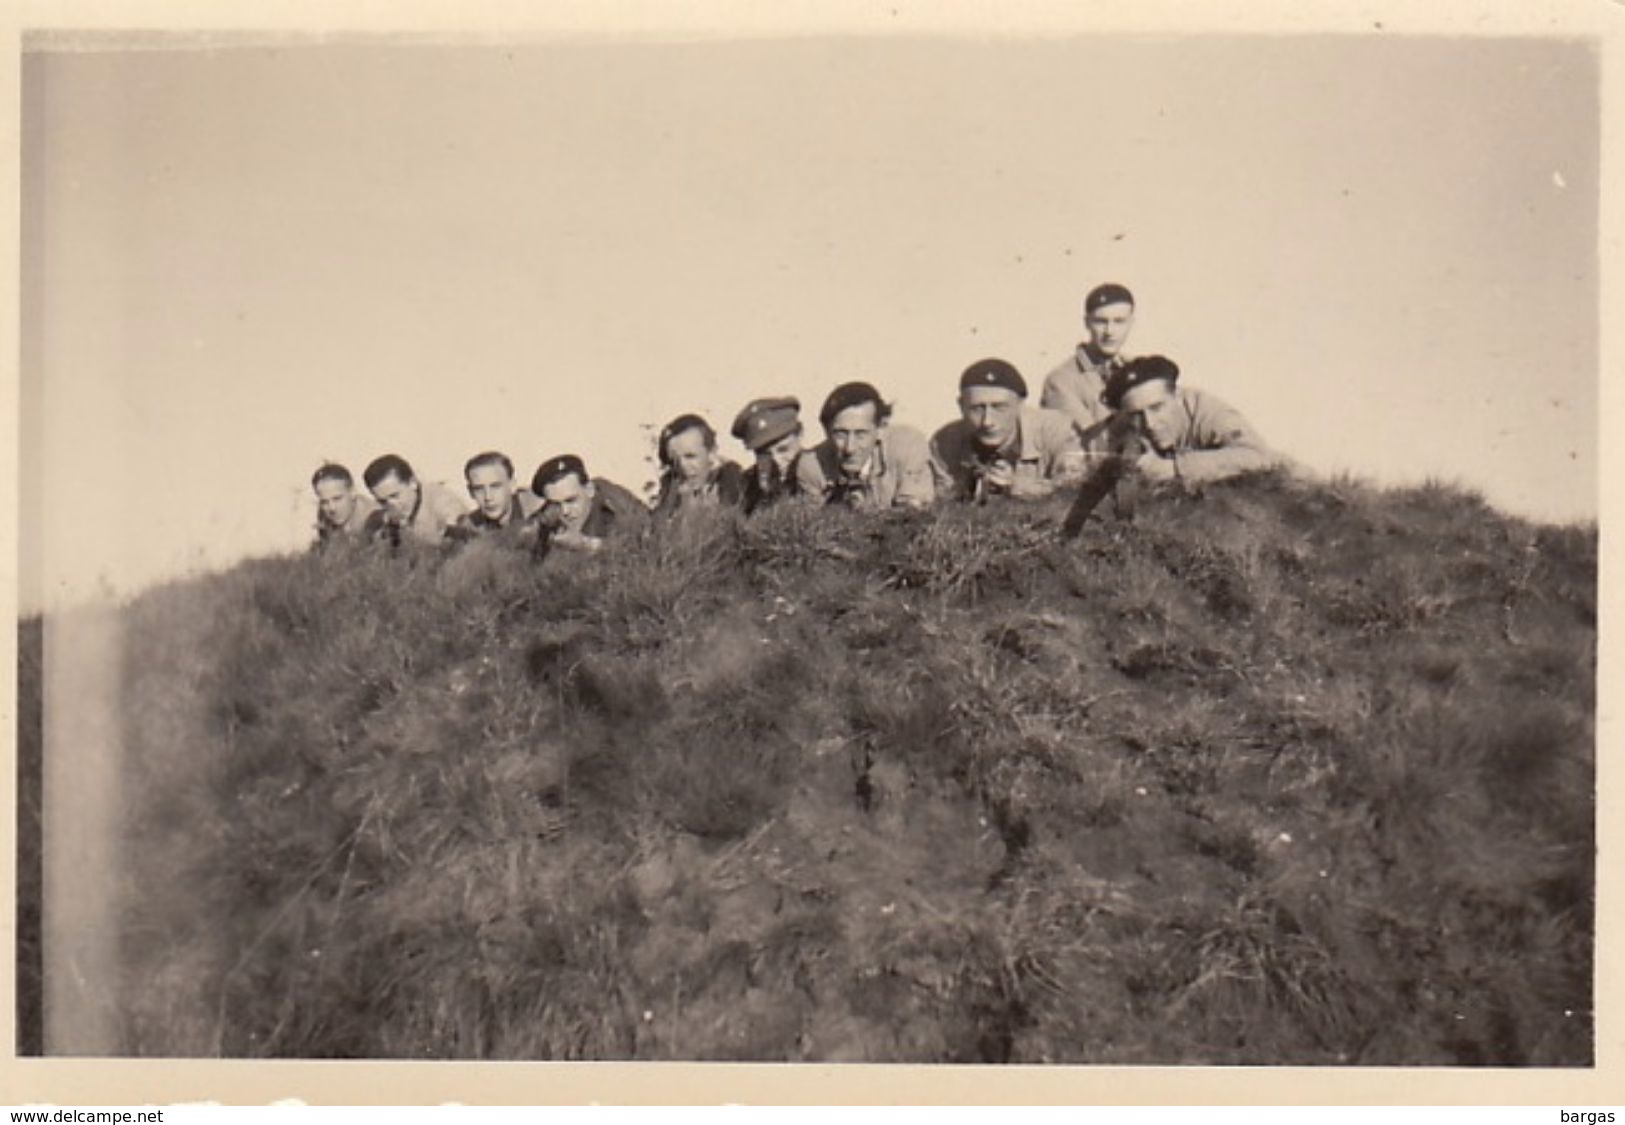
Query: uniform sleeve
{"points": [[630, 515], [916, 486], [731, 485], [1223, 444], [810, 479], [944, 485], [1063, 444], [460, 530], [448, 511], [1062, 392], [529, 503]]}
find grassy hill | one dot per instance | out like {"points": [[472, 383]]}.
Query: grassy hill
{"points": [[1279, 773]]}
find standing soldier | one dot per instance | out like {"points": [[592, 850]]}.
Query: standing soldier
{"points": [[408, 509], [693, 474], [771, 430], [864, 461], [501, 513], [1000, 446], [341, 513], [1192, 435], [581, 513], [1074, 388]]}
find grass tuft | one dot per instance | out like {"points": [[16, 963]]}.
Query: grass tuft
{"points": [[1279, 772]]}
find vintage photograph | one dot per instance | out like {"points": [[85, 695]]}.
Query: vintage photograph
{"points": [[916, 548]]}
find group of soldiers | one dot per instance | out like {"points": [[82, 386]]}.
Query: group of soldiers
{"points": [[1102, 417]]}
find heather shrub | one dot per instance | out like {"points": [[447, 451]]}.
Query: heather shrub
{"points": [[1278, 772]]}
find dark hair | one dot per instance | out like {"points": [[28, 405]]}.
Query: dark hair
{"points": [[681, 425], [390, 464], [490, 457], [848, 395], [332, 470]]}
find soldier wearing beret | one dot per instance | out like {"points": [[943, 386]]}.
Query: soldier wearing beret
{"points": [[502, 513], [771, 430], [693, 474], [1190, 435], [341, 513], [580, 512], [1074, 388], [1000, 446], [409, 510], [864, 461]]}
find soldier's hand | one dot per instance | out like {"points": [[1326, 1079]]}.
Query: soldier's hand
{"points": [[1150, 466], [1000, 475], [1030, 488], [576, 541]]}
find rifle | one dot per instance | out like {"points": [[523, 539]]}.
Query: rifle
{"points": [[1126, 446], [977, 465]]}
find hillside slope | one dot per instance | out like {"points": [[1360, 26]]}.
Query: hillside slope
{"points": [[1280, 773]]}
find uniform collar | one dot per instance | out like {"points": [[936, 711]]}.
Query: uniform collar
{"points": [[1088, 359]]}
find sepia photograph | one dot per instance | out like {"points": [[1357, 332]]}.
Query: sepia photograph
{"points": [[1073, 548]]}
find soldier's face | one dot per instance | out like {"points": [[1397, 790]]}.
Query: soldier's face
{"points": [[689, 455], [993, 412], [492, 489], [570, 501], [854, 432], [783, 453], [399, 498], [1109, 326], [336, 501], [1153, 406]]}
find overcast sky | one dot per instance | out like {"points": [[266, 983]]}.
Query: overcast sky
{"points": [[240, 262]]}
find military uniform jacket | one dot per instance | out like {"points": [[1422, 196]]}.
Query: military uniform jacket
{"points": [[354, 527], [898, 474], [1047, 452], [438, 511], [1215, 441], [615, 514], [725, 487], [759, 495], [1074, 388], [515, 527]]}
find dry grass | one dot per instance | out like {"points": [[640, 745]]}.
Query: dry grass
{"points": [[1278, 773]]}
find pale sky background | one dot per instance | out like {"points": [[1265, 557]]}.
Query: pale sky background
{"points": [[240, 262]]}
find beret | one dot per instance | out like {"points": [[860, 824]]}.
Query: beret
{"points": [[993, 373], [1109, 294], [557, 468], [764, 421], [846, 396], [1141, 369]]}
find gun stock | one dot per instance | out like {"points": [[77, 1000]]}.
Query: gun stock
{"points": [[1115, 471]]}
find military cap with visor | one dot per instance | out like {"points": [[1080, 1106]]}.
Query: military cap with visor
{"points": [[764, 421]]}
